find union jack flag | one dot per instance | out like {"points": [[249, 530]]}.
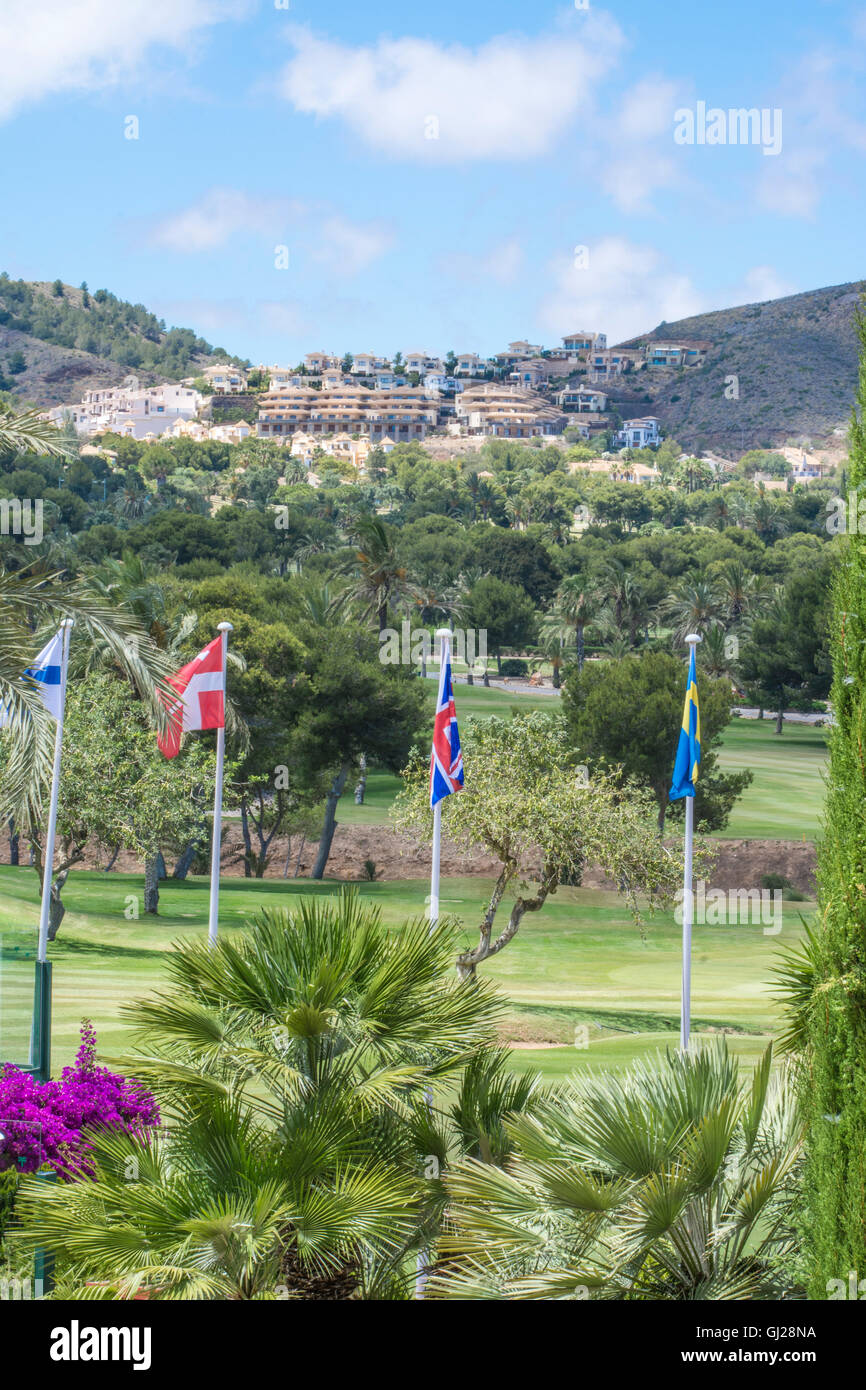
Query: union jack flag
{"points": [[446, 760]]}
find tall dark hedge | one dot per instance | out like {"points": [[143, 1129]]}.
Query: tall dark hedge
{"points": [[834, 1055]]}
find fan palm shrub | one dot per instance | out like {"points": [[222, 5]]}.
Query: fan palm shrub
{"points": [[674, 1182], [293, 1065]]}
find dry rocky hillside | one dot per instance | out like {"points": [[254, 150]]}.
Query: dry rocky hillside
{"points": [[795, 360]]}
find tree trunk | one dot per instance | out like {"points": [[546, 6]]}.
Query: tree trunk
{"points": [[780, 719], [248, 844], [486, 678], [470, 678], [580, 648], [14, 839], [468, 961], [184, 863], [113, 860], [499, 663], [288, 857], [298, 860], [661, 819], [151, 884], [56, 910], [330, 824], [557, 679], [161, 871], [361, 786]]}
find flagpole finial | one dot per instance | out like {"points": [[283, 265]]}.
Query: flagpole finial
{"points": [[444, 632], [67, 622], [225, 627], [694, 638]]}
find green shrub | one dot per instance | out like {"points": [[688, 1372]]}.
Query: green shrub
{"points": [[775, 882], [515, 666]]}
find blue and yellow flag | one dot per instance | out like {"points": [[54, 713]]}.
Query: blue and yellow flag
{"points": [[689, 747]]}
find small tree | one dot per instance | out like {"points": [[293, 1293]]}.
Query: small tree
{"points": [[504, 612], [528, 801], [626, 715]]}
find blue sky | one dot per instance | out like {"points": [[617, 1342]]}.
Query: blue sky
{"points": [[451, 176]]}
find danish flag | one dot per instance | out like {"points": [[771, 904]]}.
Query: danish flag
{"points": [[446, 760], [201, 687]]}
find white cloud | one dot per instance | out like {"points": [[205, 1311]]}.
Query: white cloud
{"points": [[627, 289], [759, 284], [222, 320], [86, 45], [817, 100], [502, 264], [220, 215], [509, 98], [344, 247], [623, 290], [639, 155]]}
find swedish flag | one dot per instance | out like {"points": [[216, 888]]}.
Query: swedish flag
{"points": [[689, 747]]}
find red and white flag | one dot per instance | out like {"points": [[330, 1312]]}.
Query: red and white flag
{"points": [[201, 702]]}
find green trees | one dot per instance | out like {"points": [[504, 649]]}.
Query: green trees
{"points": [[503, 611], [380, 577], [786, 658], [826, 986], [626, 714], [350, 704]]}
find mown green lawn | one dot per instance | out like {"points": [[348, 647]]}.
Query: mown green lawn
{"points": [[783, 802], [580, 974], [787, 793]]}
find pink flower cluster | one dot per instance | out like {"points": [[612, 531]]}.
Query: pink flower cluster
{"points": [[42, 1123]]}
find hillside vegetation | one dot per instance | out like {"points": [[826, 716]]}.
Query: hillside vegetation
{"points": [[57, 341]]}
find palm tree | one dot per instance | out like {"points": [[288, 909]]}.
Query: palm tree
{"points": [[741, 591], [767, 520], [716, 655], [577, 605], [673, 1182], [380, 576], [292, 1067], [692, 605]]}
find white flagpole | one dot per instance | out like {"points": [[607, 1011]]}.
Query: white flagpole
{"points": [[433, 913], [686, 1000], [213, 918], [48, 862], [444, 635], [688, 903]]}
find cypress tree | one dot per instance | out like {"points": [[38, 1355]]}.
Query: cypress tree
{"points": [[831, 1007]]}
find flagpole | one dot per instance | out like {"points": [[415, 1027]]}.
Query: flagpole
{"points": [[688, 902], [48, 862], [444, 635], [213, 917]]}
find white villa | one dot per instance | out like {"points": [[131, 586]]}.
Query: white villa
{"points": [[640, 433]]}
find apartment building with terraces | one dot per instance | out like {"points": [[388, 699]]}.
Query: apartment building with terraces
{"points": [[405, 413]]}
